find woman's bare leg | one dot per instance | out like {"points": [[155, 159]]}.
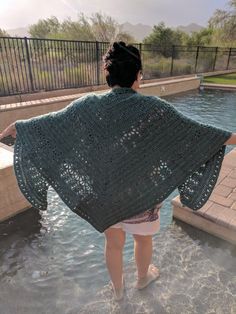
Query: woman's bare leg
{"points": [[142, 253], [115, 240], [143, 256]]}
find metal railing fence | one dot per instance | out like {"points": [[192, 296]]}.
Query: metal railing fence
{"points": [[29, 65]]}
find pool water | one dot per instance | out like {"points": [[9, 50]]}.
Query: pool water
{"points": [[53, 262]]}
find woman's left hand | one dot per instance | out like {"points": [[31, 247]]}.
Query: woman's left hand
{"points": [[10, 130]]}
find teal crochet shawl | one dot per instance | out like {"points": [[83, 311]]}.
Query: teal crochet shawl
{"points": [[114, 155]]}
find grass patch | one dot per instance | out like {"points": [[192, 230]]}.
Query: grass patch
{"points": [[221, 79]]}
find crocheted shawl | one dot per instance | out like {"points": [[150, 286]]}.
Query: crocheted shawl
{"points": [[114, 155]]}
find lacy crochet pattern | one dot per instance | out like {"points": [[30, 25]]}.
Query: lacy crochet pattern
{"points": [[113, 155]]}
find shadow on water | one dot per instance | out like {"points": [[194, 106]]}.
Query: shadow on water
{"points": [[220, 251], [16, 233], [205, 238], [16, 228]]}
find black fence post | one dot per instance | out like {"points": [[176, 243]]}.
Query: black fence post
{"points": [[97, 58], [172, 60], [197, 54], [29, 64], [140, 49], [230, 49], [214, 64]]}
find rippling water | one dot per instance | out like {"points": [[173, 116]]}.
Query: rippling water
{"points": [[52, 262]]}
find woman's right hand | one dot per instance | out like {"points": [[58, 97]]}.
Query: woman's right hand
{"points": [[10, 130]]}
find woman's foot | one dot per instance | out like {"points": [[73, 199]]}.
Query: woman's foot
{"points": [[152, 274], [118, 293]]}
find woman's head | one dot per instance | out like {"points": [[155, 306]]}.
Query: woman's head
{"points": [[122, 64]]}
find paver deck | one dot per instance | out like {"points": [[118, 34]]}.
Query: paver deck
{"points": [[218, 215]]}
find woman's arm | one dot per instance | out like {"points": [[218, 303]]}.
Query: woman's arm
{"points": [[231, 140], [10, 130]]}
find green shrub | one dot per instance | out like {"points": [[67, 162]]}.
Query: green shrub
{"points": [[156, 67], [182, 67]]}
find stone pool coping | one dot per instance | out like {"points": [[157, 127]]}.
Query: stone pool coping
{"points": [[218, 215], [228, 87]]}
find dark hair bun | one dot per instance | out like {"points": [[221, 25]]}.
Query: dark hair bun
{"points": [[123, 63], [117, 46], [118, 50]]}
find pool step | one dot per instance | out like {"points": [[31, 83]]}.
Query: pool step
{"points": [[218, 215], [12, 200]]}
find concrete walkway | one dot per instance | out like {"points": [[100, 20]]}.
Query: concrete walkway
{"points": [[218, 215]]}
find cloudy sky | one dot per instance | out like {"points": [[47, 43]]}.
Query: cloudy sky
{"points": [[21, 13]]}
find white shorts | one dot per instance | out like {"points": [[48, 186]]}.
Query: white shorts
{"points": [[144, 228], [138, 225]]}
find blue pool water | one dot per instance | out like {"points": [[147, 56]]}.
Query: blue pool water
{"points": [[52, 262]]}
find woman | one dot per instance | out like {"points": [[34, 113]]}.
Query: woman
{"points": [[123, 71], [123, 68]]}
